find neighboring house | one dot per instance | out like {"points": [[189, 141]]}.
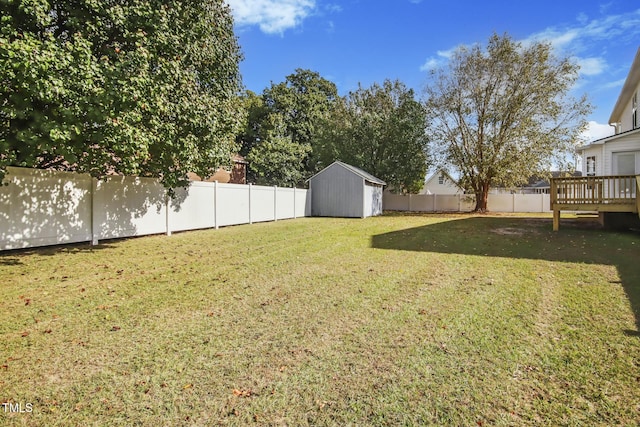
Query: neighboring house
{"points": [[535, 184], [237, 174], [342, 190], [618, 154], [441, 182]]}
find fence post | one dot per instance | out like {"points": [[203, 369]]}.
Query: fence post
{"points": [[250, 222], [435, 204], [295, 190], [167, 206], [409, 202], [215, 204], [94, 234], [275, 202], [513, 202]]}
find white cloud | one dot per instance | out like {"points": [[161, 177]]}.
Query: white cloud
{"points": [[578, 41], [559, 39], [582, 38], [596, 131], [272, 16], [435, 62], [591, 66], [614, 84], [583, 18], [430, 64], [333, 8]]}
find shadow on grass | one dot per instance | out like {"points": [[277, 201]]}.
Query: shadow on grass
{"points": [[14, 256], [578, 241]]}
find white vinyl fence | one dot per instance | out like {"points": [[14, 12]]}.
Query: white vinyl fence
{"points": [[39, 207], [466, 203]]}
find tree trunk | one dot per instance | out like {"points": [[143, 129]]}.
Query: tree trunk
{"points": [[481, 198]]}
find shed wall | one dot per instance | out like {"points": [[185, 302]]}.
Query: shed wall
{"points": [[337, 192]]}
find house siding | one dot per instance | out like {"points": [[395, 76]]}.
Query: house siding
{"points": [[626, 120], [595, 151], [604, 153], [432, 186], [629, 143]]}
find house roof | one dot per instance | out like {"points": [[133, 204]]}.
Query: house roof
{"points": [[237, 158], [606, 139], [439, 172], [543, 182], [365, 175], [628, 90]]}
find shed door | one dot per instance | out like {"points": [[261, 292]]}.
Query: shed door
{"points": [[368, 198]]}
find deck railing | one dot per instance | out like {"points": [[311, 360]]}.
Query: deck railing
{"points": [[595, 190]]}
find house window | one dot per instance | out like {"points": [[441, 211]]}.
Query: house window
{"points": [[591, 165], [441, 179], [624, 163]]}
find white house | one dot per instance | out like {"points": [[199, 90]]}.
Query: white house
{"points": [[440, 182], [618, 154]]}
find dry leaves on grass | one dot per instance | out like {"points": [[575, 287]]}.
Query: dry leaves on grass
{"points": [[242, 393]]}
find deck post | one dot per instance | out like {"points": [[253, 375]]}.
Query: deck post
{"points": [[556, 219]]}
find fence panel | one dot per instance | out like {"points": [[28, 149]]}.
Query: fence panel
{"points": [[500, 202], [285, 208], [262, 203], [40, 208], [128, 206], [301, 202], [531, 203], [232, 204], [466, 203], [395, 202], [447, 202], [193, 208], [423, 203]]}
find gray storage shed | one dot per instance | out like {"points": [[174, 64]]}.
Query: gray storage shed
{"points": [[342, 190]]}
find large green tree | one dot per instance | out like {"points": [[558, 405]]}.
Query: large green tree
{"points": [[282, 126], [501, 113], [276, 159], [134, 87], [303, 99], [380, 129]]}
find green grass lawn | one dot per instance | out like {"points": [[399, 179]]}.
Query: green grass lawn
{"points": [[395, 320]]}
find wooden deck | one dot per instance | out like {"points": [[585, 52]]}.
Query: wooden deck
{"points": [[617, 193]]}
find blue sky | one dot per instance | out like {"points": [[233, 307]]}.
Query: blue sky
{"points": [[360, 41]]}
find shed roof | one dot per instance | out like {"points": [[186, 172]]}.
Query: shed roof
{"points": [[367, 176]]}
